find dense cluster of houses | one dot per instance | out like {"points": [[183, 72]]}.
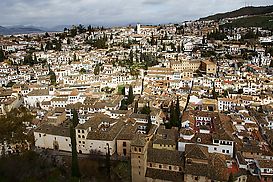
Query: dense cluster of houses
{"points": [[226, 123]]}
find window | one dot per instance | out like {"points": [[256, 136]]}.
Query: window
{"points": [[83, 142], [80, 141], [82, 131], [135, 149], [124, 144], [139, 149], [66, 139], [215, 148], [196, 178], [40, 135], [170, 167], [79, 136], [223, 151], [160, 166], [227, 151], [82, 136], [151, 165]]}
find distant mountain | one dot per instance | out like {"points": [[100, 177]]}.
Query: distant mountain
{"points": [[19, 30], [241, 12], [58, 28]]}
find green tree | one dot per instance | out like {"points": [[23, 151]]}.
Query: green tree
{"points": [[73, 31], [123, 105], [145, 110], [217, 35], [47, 35], [12, 128], [97, 69], [173, 116], [230, 178], [52, 77], [82, 71], [173, 47], [35, 61], [42, 47], [271, 64], [2, 55], [68, 41], [28, 60], [178, 113], [149, 124], [81, 29], [130, 95], [108, 162], [131, 56], [214, 93], [75, 171], [74, 59], [121, 90], [136, 107], [75, 119]]}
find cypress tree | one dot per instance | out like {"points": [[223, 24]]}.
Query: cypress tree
{"points": [[75, 119], [172, 115], [178, 113], [75, 172], [131, 57], [2, 55], [230, 178], [136, 107], [52, 77], [149, 124], [35, 59], [97, 69], [108, 162], [130, 95]]}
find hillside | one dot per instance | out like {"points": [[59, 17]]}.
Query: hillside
{"points": [[262, 21], [241, 12], [18, 30]]}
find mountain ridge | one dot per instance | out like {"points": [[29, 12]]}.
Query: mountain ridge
{"points": [[19, 30], [245, 11]]}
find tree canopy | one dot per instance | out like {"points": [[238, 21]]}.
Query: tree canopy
{"points": [[2, 55]]}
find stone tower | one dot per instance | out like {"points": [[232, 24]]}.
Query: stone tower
{"points": [[138, 29], [139, 158]]}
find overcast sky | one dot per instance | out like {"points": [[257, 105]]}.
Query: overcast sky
{"points": [[112, 12]]}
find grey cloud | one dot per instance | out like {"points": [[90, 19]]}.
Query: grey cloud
{"points": [[154, 2], [55, 12]]}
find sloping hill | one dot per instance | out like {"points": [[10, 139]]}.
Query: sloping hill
{"points": [[18, 30], [263, 21], [241, 12]]}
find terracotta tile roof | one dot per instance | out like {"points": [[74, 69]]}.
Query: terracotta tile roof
{"points": [[163, 156], [60, 130], [164, 175], [196, 151]]}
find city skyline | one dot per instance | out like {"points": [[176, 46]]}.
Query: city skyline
{"points": [[59, 12]]}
